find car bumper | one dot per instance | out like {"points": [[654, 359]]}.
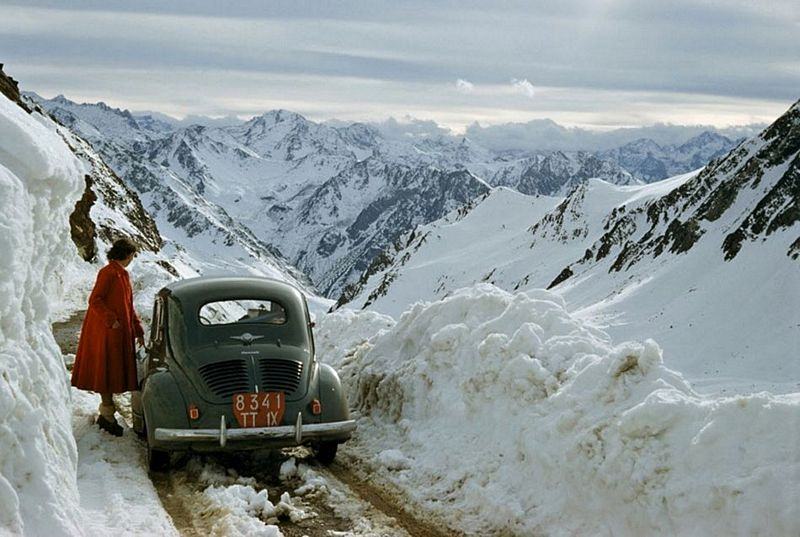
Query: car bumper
{"points": [[295, 434]]}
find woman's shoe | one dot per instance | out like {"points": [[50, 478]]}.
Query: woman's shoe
{"points": [[109, 426]]}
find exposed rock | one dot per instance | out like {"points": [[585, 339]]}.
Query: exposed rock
{"points": [[563, 276], [82, 228], [10, 88]]}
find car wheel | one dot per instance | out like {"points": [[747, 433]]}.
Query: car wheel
{"points": [[326, 452], [157, 460], [138, 427]]}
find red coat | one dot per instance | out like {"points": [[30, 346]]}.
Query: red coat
{"points": [[106, 359]]}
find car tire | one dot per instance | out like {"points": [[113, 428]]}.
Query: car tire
{"points": [[326, 452], [138, 427], [157, 460]]}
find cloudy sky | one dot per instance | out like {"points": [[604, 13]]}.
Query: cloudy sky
{"points": [[589, 63]]}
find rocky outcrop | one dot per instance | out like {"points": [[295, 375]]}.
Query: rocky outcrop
{"points": [[119, 213], [82, 228], [10, 88]]}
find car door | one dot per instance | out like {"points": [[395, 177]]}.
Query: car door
{"points": [[154, 351]]}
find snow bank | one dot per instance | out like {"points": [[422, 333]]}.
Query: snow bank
{"points": [[40, 181], [503, 413]]}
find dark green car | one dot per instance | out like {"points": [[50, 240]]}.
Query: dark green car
{"points": [[231, 366]]}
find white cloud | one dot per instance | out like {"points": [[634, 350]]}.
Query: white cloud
{"points": [[410, 127], [464, 86], [524, 87]]}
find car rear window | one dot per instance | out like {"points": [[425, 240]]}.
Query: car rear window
{"points": [[257, 311]]}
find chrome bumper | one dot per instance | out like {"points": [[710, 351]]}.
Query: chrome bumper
{"points": [[297, 432]]}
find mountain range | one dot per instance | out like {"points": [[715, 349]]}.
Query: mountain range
{"points": [[705, 262], [323, 200]]}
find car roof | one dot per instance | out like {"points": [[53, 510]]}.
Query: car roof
{"points": [[209, 288]]}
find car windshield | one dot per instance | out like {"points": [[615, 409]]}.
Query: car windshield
{"points": [[242, 311]]}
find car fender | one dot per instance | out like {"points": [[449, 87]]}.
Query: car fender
{"points": [[332, 395], [163, 403]]}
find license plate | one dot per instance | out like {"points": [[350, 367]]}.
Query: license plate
{"points": [[260, 409]]}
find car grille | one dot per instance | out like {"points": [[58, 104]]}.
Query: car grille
{"points": [[226, 378], [280, 375]]}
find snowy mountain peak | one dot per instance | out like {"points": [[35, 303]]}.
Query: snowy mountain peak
{"points": [[706, 137], [274, 117]]}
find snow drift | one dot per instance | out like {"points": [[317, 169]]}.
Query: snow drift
{"points": [[40, 180], [503, 413]]}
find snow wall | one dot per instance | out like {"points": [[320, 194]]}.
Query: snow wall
{"points": [[504, 414], [40, 181]]}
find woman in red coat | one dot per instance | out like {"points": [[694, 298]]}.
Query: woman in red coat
{"points": [[106, 357]]}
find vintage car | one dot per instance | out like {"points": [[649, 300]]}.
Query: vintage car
{"points": [[231, 366]]}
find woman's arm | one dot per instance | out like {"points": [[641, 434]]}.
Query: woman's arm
{"points": [[97, 300]]}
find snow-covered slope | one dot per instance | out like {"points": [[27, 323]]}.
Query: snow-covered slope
{"points": [[505, 415], [40, 181], [706, 263], [306, 192], [477, 243]]}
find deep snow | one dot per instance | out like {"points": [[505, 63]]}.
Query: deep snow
{"points": [[40, 180], [502, 413]]}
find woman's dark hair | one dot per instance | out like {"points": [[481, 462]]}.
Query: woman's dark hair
{"points": [[121, 249]]}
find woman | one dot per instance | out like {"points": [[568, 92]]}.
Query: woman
{"points": [[106, 360]]}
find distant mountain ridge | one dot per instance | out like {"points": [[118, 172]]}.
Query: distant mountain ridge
{"points": [[649, 161], [328, 198]]}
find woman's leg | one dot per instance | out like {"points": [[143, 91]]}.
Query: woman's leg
{"points": [[107, 408], [106, 421]]}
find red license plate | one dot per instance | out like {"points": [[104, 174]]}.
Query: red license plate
{"points": [[260, 409]]}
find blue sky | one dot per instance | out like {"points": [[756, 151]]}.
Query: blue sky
{"points": [[590, 63]]}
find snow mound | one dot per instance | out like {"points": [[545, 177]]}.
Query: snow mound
{"points": [[346, 330], [238, 510], [40, 180], [514, 417]]}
